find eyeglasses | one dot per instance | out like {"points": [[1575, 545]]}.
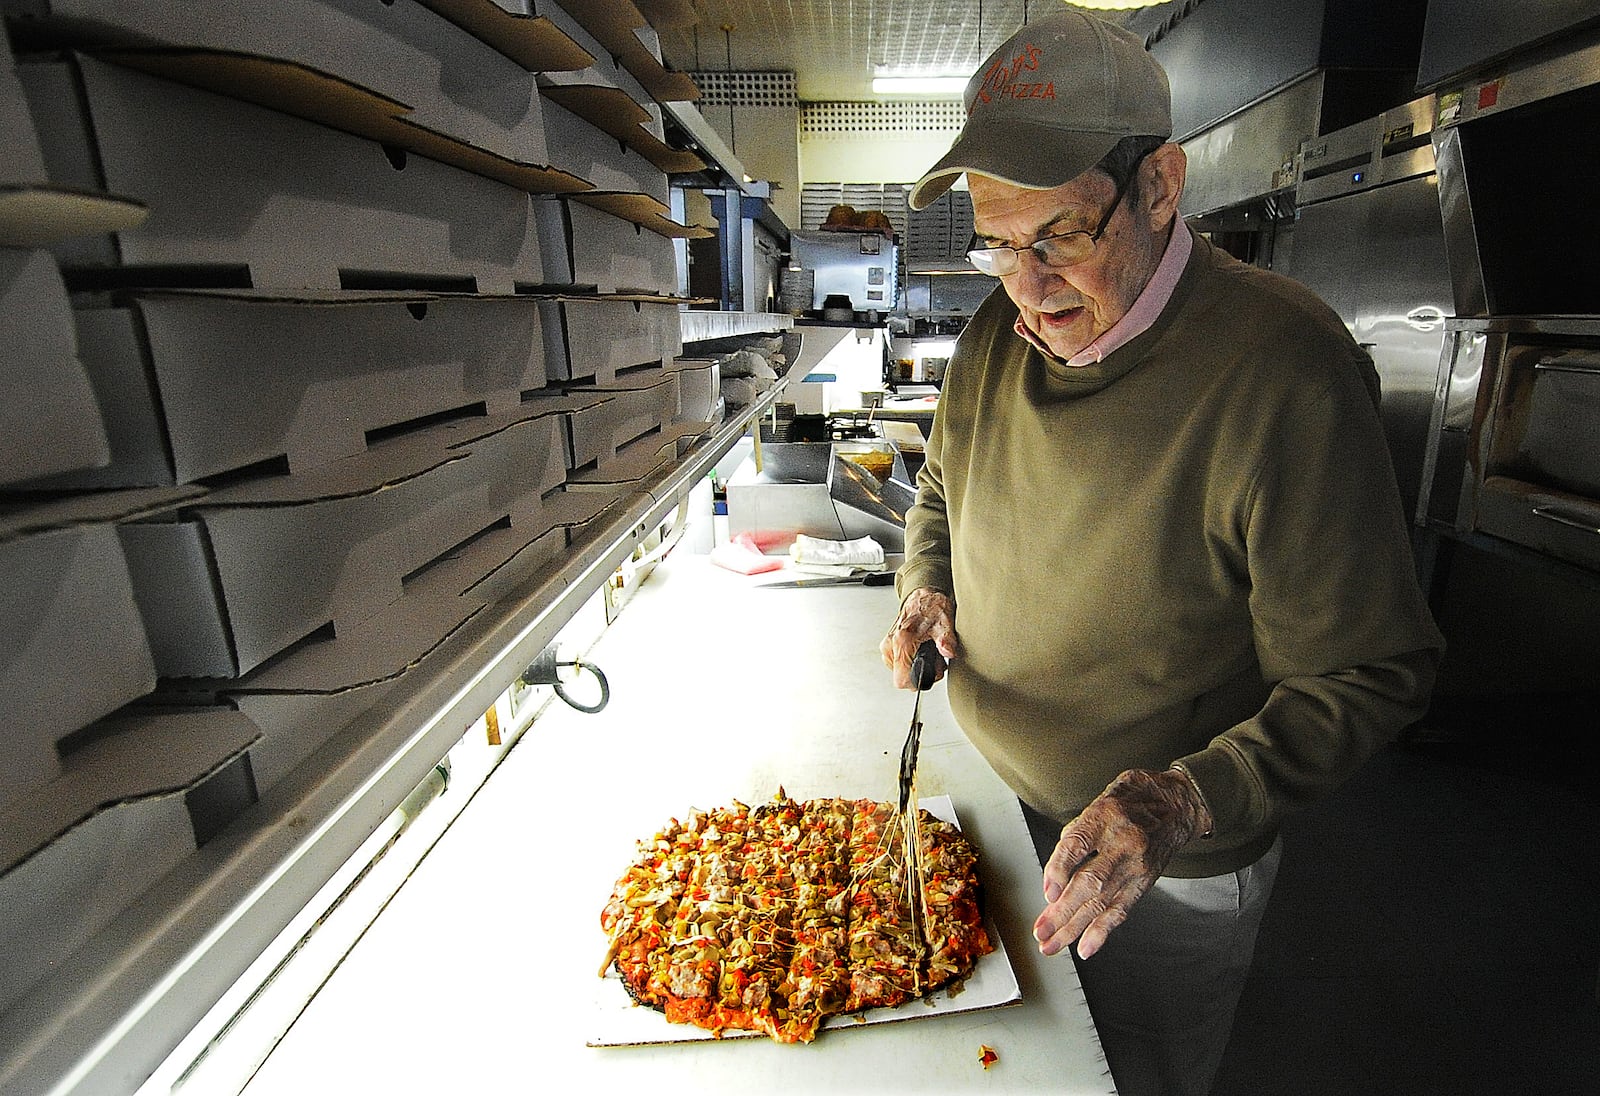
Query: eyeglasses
{"points": [[1062, 249]]}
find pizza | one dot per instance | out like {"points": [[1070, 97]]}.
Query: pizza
{"points": [[772, 919]]}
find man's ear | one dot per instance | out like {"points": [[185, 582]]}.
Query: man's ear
{"points": [[1165, 170]]}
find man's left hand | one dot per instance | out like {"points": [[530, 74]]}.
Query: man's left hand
{"points": [[1112, 853]]}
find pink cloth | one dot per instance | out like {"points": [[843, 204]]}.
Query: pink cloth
{"points": [[744, 555]]}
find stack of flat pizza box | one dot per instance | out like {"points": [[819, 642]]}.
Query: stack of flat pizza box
{"points": [[75, 647], [292, 403], [617, 253]]}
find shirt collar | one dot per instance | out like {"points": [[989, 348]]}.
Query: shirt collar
{"points": [[1146, 308]]}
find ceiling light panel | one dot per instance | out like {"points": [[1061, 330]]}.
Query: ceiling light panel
{"points": [[835, 46]]}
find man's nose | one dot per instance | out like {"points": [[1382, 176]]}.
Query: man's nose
{"points": [[1034, 280]]}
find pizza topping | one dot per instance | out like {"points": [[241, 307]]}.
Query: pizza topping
{"points": [[774, 919]]}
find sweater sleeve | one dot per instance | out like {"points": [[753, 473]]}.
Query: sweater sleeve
{"points": [[929, 558], [1342, 633], [1313, 733], [927, 561]]}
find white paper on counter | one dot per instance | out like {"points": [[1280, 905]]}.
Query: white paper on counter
{"points": [[619, 1021]]}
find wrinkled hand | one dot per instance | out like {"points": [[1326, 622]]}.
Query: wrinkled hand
{"points": [[926, 613], [1112, 853]]}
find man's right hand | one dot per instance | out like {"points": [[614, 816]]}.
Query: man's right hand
{"points": [[925, 614]]}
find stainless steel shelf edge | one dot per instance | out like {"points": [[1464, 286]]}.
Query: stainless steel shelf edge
{"points": [[1560, 67], [104, 1024], [694, 123], [700, 325]]}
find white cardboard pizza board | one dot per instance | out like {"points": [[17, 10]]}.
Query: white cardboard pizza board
{"points": [[619, 1021]]}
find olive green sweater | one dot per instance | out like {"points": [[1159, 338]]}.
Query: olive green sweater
{"points": [[1192, 552]]}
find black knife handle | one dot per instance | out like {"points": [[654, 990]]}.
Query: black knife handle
{"points": [[926, 665]]}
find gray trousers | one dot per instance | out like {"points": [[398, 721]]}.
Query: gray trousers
{"points": [[1164, 988]]}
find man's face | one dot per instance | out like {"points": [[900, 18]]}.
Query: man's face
{"points": [[1069, 307]]}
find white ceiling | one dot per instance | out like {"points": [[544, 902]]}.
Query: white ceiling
{"points": [[833, 46]]}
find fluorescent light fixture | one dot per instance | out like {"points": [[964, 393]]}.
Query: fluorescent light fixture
{"points": [[919, 85]]}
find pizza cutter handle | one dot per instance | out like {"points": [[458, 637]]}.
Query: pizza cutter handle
{"points": [[925, 666]]}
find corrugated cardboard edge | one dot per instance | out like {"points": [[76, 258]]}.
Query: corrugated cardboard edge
{"points": [[613, 111], [642, 210], [637, 461], [532, 41], [379, 467], [39, 216], [614, 24], [23, 519], [318, 96], [382, 648], [136, 758], [306, 92]]}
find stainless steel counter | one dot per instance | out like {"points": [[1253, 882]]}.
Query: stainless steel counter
{"points": [[479, 977]]}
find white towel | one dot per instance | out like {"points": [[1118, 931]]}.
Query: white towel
{"points": [[863, 553]]}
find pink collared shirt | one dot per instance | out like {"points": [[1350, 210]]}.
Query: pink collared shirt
{"points": [[1146, 307]]}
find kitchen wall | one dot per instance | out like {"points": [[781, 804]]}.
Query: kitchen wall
{"points": [[789, 143], [757, 115], [875, 142]]}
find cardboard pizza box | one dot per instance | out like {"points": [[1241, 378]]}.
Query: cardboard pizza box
{"points": [[23, 163], [640, 403], [254, 567], [438, 75], [591, 152], [320, 688], [620, 255], [79, 850], [75, 646], [312, 693], [600, 337], [605, 71], [501, 564], [34, 213], [623, 33], [699, 388], [245, 195], [50, 420], [528, 38], [635, 467], [201, 383], [616, 249]]}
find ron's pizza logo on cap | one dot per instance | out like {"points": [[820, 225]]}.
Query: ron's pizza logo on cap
{"points": [[1009, 80]]}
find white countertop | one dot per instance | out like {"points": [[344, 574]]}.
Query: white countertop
{"points": [[480, 975]]}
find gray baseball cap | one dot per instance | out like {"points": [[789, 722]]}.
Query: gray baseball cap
{"points": [[1050, 103]]}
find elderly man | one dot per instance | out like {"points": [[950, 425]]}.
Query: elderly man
{"points": [[1159, 540]]}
